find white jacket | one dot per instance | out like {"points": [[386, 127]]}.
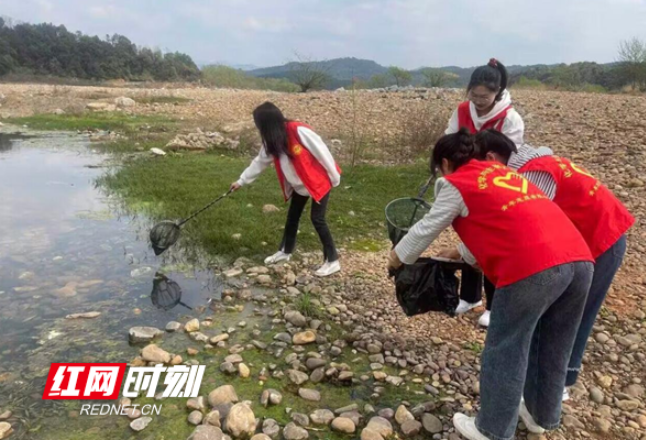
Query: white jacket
{"points": [[314, 145], [513, 127]]}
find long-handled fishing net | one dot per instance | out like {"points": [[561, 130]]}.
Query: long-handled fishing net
{"points": [[402, 214], [166, 233]]}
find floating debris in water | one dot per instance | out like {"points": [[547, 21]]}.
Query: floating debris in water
{"points": [[53, 334], [140, 271]]}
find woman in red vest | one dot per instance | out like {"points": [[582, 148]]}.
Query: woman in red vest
{"points": [[488, 106], [542, 276], [305, 169], [600, 217]]}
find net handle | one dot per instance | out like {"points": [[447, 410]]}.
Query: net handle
{"points": [[211, 203]]}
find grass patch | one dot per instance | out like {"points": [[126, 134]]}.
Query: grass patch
{"points": [[115, 121], [306, 306], [173, 186]]}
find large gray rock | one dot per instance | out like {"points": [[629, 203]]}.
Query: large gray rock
{"points": [[294, 432], [432, 424], [206, 432], [124, 102], [241, 421], [142, 334]]}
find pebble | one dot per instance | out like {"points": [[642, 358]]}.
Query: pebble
{"points": [[206, 432], [271, 428], [343, 424], [5, 430], [297, 377], [411, 428], [402, 415], [195, 417], [309, 394], [301, 419], [294, 432], [136, 425], [322, 417], [144, 334], [173, 326], [381, 426], [431, 424], [306, 337], [596, 395], [241, 421]]}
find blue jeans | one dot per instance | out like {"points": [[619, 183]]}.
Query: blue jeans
{"points": [[533, 325], [605, 269]]}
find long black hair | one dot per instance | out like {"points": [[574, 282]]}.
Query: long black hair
{"points": [[494, 141], [493, 76], [270, 122], [458, 148]]}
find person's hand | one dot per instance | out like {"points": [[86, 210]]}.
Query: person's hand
{"points": [[393, 261], [450, 253], [235, 186]]}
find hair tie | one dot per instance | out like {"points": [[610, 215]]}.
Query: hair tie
{"points": [[493, 62]]}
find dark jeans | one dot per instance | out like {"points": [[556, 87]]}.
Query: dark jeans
{"points": [[296, 207], [605, 269], [533, 326], [471, 288]]}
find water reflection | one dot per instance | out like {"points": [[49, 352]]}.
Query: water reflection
{"points": [[166, 293]]}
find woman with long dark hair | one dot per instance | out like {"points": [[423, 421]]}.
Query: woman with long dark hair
{"points": [[305, 169], [488, 106]]}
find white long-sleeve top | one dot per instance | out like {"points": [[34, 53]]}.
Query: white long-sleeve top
{"points": [[449, 204], [314, 144], [513, 127]]}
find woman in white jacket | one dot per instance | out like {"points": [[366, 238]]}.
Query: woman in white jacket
{"points": [[305, 169], [488, 106]]}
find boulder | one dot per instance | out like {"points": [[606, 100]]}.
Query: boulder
{"points": [[241, 421]]}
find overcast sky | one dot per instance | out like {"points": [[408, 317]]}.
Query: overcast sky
{"points": [[408, 33]]}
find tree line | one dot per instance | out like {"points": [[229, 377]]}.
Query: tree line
{"points": [[46, 49]]}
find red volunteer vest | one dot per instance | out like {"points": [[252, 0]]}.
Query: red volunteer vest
{"points": [[593, 208], [464, 119], [513, 229], [307, 167]]}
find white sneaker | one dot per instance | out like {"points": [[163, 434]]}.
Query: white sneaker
{"points": [[484, 319], [566, 395], [466, 426], [464, 307], [528, 420], [328, 269], [278, 257]]}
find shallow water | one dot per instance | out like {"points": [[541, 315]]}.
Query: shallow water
{"points": [[65, 248]]}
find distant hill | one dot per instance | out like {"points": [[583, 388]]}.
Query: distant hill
{"points": [[342, 70]]}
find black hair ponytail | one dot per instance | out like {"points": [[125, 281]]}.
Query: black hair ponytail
{"points": [[458, 148], [493, 76]]}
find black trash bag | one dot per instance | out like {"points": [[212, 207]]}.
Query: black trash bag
{"points": [[427, 285]]}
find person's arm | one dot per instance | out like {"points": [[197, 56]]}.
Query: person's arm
{"points": [[321, 152], [544, 181], [514, 127], [453, 124], [257, 166], [448, 205]]}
